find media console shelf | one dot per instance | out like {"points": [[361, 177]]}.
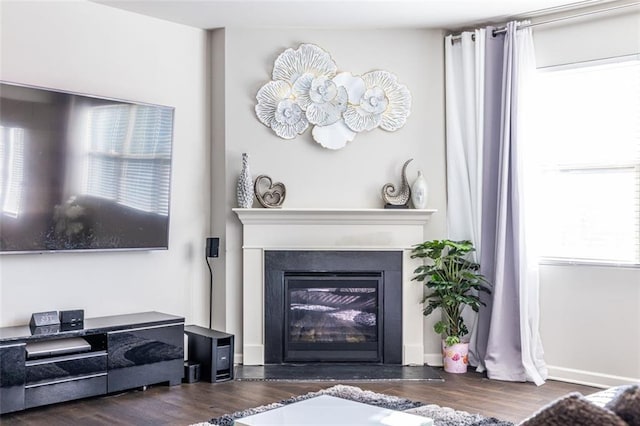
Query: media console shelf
{"points": [[107, 354]]}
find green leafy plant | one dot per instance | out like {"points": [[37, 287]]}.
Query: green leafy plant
{"points": [[453, 281]]}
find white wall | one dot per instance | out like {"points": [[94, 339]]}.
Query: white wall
{"points": [[89, 48], [314, 176], [590, 323], [590, 316]]}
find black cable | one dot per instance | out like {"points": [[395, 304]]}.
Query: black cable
{"points": [[210, 290]]}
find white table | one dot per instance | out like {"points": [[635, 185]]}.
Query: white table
{"points": [[329, 410]]}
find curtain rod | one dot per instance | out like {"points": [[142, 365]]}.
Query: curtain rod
{"points": [[550, 21]]}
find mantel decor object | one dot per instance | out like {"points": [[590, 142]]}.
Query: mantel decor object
{"points": [[268, 193], [244, 188], [419, 192], [306, 89], [398, 199]]}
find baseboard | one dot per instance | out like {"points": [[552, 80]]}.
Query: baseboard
{"points": [[588, 378], [433, 360], [569, 375]]}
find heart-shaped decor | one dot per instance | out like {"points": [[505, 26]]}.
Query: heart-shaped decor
{"points": [[269, 194]]}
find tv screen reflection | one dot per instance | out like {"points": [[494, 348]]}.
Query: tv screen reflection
{"points": [[82, 173]]}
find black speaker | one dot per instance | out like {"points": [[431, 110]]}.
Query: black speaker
{"points": [[212, 247], [191, 372], [213, 350], [72, 316]]}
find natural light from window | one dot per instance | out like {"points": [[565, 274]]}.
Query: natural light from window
{"points": [[586, 139]]}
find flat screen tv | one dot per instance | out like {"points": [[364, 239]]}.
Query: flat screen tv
{"points": [[82, 173]]}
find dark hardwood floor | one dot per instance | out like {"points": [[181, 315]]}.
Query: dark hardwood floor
{"points": [[198, 402]]}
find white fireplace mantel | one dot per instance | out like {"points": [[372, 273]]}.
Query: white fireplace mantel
{"points": [[330, 229], [327, 229], [333, 216]]}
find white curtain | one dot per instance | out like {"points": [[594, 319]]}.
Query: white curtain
{"points": [[464, 93], [464, 128], [486, 94], [532, 351]]}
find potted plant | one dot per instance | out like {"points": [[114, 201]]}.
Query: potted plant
{"points": [[453, 282]]}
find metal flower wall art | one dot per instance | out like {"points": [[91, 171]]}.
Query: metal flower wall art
{"points": [[307, 90]]}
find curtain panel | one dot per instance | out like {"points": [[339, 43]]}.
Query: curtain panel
{"points": [[486, 86]]}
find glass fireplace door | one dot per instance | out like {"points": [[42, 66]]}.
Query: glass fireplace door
{"points": [[333, 318]]}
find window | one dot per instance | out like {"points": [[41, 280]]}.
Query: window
{"points": [[129, 156], [586, 123]]}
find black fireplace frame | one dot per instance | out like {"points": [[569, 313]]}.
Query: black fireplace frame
{"points": [[388, 264]]}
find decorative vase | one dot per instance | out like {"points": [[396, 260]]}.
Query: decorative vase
{"points": [[419, 192], [455, 357], [244, 189]]}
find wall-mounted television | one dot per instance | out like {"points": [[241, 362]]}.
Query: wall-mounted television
{"points": [[81, 172]]}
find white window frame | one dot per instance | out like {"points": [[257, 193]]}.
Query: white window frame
{"points": [[635, 165]]}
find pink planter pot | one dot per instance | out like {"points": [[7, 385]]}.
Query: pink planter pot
{"points": [[455, 358]]}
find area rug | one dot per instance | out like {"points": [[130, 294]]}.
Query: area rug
{"points": [[442, 416]]}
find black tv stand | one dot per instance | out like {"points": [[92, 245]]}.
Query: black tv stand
{"points": [[108, 354]]}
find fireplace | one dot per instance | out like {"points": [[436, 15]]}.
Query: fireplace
{"points": [[341, 230], [333, 306]]}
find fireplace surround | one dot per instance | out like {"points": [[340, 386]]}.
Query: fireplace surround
{"points": [[364, 230], [333, 306]]}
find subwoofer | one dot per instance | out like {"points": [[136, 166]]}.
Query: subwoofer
{"points": [[213, 350]]}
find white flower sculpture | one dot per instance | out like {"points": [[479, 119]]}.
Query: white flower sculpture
{"points": [[306, 89], [277, 109], [323, 101], [384, 103]]}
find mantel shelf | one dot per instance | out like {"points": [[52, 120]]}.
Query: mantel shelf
{"points": [[334, 216]]}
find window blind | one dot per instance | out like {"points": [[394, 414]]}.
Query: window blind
{"points": [[130, 155]]}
